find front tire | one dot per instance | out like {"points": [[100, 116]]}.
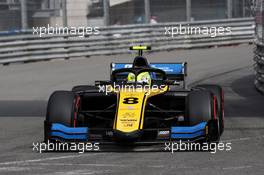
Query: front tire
{"points": [[201, 107], [62, 108], [219, 93]]}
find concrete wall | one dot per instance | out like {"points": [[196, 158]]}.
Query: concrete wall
{"points": [[208, 9], [168, 10], [77, 11], [122, 13]]}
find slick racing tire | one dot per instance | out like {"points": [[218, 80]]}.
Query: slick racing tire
{"points": [[201, 107], [219, 93], [62, 108]]}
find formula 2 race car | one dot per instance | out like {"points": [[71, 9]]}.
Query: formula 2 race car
{"points": [[141, 103]]}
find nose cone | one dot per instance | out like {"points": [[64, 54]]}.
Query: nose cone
{"points": [[127, 136]]}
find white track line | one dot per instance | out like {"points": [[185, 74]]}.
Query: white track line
{"points": [[14, 168], [237, 168], [44, 159], [243, 139], [84, 164]]}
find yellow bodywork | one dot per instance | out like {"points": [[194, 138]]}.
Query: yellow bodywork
{"points": [[139, 48], [131, 108]]}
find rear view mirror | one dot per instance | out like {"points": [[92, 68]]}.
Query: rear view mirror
{"points": [[172, 82], [97, 83]]}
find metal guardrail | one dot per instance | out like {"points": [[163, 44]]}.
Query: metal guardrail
{"points": [[23, 46], [259, 66]]}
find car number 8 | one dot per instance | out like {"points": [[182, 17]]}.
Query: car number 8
{"points": [[130, 100]]}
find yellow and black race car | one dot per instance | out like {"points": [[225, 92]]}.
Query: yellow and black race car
{"points": [[141, 103]]}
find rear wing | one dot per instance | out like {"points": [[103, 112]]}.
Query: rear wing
{"points": [[174, 71]]}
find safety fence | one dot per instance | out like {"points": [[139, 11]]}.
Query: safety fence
{"points": [[27, 46]]}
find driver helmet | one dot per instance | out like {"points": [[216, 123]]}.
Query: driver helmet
{"points": [[140, 62]]}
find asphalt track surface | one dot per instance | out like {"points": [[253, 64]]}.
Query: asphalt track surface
{"points": [[25, 88]]}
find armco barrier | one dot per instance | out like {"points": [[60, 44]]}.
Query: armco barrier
{"points": [[259, 66], [23, 46]]}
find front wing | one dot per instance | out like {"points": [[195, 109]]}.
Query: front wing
{"points": [[60, 132]]}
